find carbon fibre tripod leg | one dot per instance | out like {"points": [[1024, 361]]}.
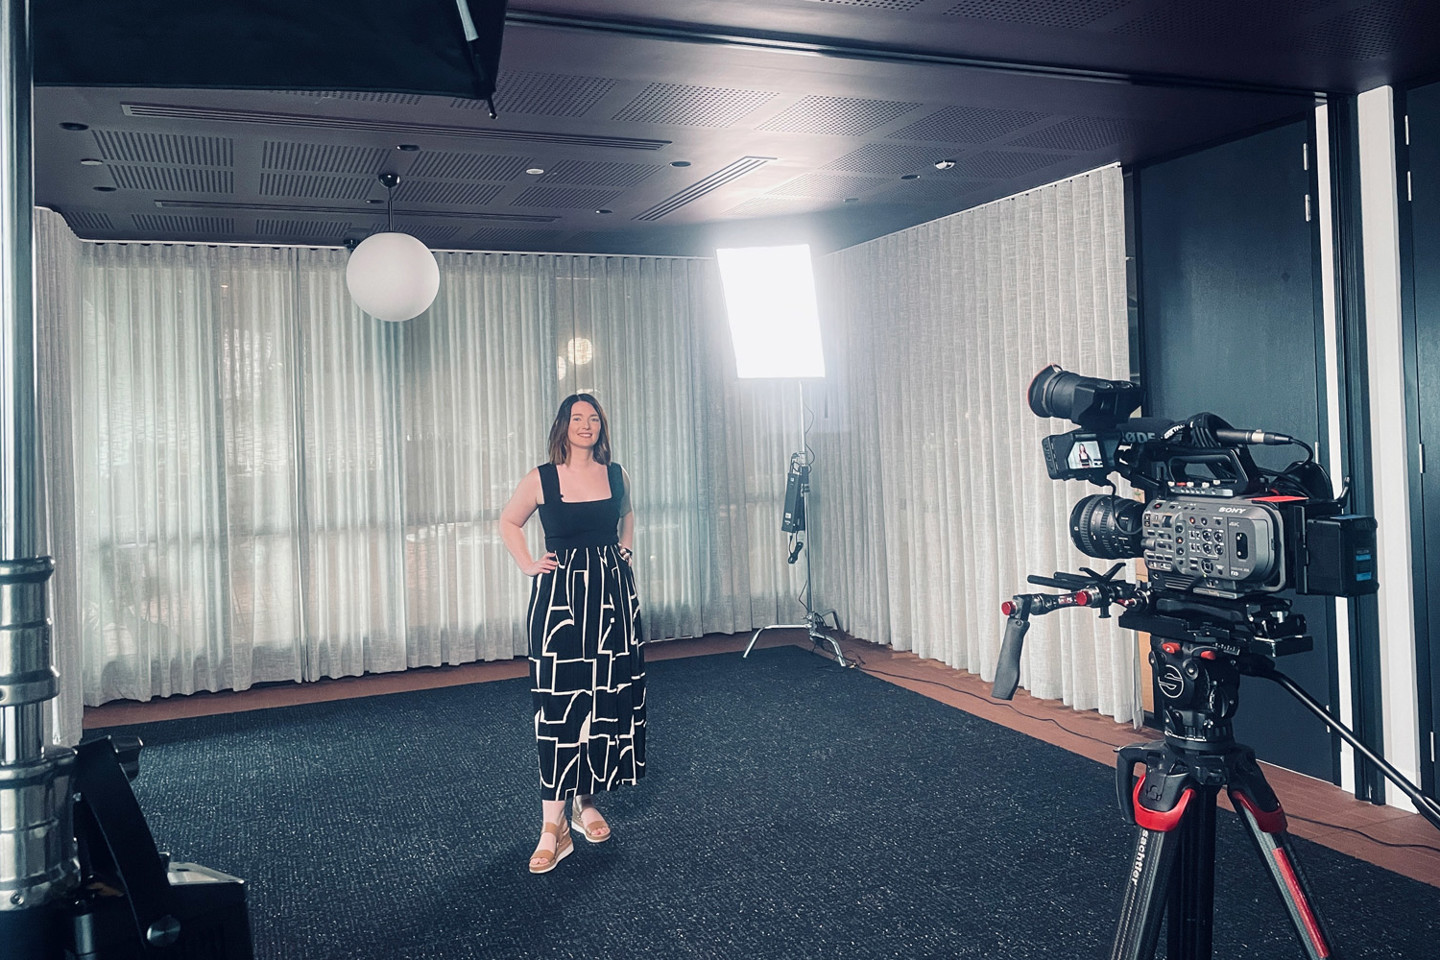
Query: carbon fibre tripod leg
{"points": [[1264, 819], [1173, 867]]}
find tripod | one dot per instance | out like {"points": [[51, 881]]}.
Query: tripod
{"points": [[1198, 671], [794, 523]]}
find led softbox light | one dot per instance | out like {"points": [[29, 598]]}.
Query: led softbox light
{"points": [[770, 301]]}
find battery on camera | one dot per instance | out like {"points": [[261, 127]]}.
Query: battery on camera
{"points": [[1339, 557]]}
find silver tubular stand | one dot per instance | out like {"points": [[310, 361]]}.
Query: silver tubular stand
{"points": [[814, 624], [37, 839]]}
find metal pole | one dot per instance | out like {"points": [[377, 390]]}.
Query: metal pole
{"points": [[37, 841]]}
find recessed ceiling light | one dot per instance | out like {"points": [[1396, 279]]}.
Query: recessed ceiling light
{"points": [[944, 164], [73, 126], [679, 163], [106, 189], [91, 162], [535, 171], [408, 147], [910, 176]]}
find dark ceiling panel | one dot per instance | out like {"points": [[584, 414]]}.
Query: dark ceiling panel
{"points": [[1080, 134], [838, 116], [706, 122], [1040, 13], [828, 186], [691, 105], [968, 125], [548, 94], [887, 158]]}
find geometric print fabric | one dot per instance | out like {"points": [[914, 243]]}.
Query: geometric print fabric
{"points": [[587, 674]]}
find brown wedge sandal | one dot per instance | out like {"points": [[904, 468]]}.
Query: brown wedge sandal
{"points": [[597, 831], [543, 861]]}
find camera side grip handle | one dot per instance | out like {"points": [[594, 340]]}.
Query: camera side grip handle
{"points": [[1007, 670]]}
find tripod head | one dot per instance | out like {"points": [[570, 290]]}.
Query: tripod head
{"points": [[1199, 646]]}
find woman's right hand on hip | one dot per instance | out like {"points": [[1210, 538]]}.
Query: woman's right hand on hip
{"points": [[545, 564]]}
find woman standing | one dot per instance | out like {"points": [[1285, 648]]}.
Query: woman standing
{"points": [[587, 671]]}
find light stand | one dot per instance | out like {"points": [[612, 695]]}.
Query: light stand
{"points": [[795, 524]]}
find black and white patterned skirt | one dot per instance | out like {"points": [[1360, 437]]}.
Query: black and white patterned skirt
{"points": [[587, 674]]}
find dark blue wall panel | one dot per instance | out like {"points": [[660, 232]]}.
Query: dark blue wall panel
{"points": [[1229, 314]]}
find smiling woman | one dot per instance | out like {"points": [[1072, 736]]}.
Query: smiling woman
{"points": [[587, 671]]}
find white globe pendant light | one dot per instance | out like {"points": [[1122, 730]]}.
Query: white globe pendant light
{"points": [[391, 275]]}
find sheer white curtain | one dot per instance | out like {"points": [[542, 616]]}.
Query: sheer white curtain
{"points": [[251, 481], [932, 499]]}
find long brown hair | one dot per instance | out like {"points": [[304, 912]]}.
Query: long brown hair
{"points": [[559, 431]]}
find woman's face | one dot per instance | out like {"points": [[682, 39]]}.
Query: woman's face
{"points": [[584, 426]]}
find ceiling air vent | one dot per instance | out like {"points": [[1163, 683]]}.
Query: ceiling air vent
{"points": [[321, 157], [443, 192], [165, 148], [87, 220], [301, 229], [700, 188], [349, 211], [440, 165], [307, 187], [566, 198], [166, 111], [184, 226], [599, 173], [405, 99], [504, 239], [173, 179]]}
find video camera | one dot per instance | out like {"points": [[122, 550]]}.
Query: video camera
{"points": [[1213, 524]]}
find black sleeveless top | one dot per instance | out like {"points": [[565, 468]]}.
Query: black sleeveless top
{"points": [[586, 523]]}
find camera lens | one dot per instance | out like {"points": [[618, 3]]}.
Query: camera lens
{"points": [[1107, 526]]}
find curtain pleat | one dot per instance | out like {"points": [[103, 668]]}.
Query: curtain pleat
{"points": [[932, 498]]}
